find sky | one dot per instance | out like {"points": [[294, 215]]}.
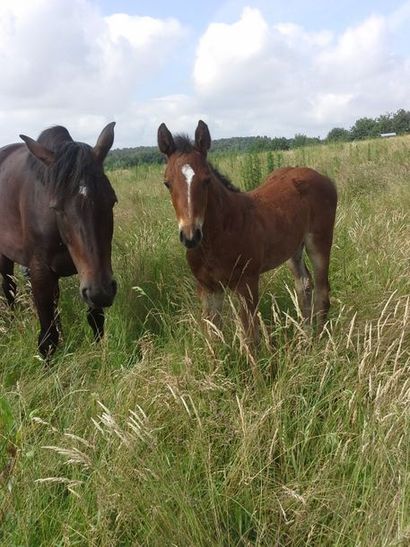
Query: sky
{"points": [[263, 67]]}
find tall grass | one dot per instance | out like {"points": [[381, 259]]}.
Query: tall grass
{"points": [[162, 435]]}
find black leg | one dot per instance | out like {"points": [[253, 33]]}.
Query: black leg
{"points": [[9, 285], [95, 318], [45, 293]]}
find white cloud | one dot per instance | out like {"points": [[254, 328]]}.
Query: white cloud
{"points": [[285, 79], [225, 51], [63, 62]]}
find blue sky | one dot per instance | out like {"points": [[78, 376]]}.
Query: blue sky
{"points": [[246, 67]]}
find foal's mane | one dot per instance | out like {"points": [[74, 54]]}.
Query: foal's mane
{"points": [[72, 167], [184, 145]]}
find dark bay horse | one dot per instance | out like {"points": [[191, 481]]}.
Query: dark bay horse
{"points": [[232, 237], [56, 218]]}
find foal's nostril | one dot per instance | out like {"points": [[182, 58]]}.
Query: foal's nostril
{"points": [[84, 293], [181, 236], [197, 235]]}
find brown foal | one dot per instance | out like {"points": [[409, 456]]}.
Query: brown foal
{"points": [[232, 237]]}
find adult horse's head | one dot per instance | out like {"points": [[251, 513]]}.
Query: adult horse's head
{"points": [[187, 177], [82, 199]]}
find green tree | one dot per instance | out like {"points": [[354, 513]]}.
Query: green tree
{"points": [[299, 140], [364, 128], [338, 134], [401, 121], [385, 123]]}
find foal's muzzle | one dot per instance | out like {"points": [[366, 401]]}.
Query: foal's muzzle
{"points": [[191, 242], [99, 296]]}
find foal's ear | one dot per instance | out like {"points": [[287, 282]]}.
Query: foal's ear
{"points": [[165, 140], [202, 138], [104, 142], [41, 152]]}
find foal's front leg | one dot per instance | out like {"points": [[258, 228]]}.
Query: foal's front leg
{"points": [[44, 284], [212, 303], [248, 291]]}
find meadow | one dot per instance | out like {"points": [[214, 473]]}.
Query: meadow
{"points": [[165, 435]]}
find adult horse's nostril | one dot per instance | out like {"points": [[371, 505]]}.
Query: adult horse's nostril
{"points": [[84, 293], [181, 236]]}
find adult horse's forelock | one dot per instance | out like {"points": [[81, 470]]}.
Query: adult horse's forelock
{"points": [[74, 166], [63, 164]]}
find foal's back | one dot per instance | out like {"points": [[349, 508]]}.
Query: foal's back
{"points": [[296, 182], [291, 204]]}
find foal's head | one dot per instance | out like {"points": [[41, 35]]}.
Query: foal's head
{"points": [[82, 198], [187, 177]]}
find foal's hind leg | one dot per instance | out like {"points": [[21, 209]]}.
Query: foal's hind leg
{"points": [[9, 285], [303, 282], [318, 248]]}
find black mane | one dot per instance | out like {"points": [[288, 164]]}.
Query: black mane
{"points": [[74, 165], [184, 145]]}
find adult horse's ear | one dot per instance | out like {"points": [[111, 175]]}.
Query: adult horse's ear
{"points": [[41, 152], [202, 138], [165, 140], [104, 142]]}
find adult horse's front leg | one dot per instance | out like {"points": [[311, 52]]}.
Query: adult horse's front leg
{"points": [[95, 318], [9, 285], [44, 284]]}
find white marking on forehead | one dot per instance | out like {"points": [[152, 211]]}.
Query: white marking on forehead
{"points": [[83, 191], [189, 174]]}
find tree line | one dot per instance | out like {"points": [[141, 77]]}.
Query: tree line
{"points": [[364, 128]]}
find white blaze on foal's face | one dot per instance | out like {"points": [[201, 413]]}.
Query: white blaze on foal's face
{"points": [[189, 174]]}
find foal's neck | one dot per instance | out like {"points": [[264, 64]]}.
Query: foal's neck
{"points": [[222, 203]]}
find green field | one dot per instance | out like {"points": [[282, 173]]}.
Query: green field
{"points": [[163, 436]]}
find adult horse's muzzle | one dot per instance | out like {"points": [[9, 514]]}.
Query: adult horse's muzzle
{"points": [[191, 239], [99, 295]]}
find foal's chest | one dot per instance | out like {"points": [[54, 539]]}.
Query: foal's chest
{"points": [[221, 267]]}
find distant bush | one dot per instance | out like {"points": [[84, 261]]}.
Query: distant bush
{"points": [[363, 128]]}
